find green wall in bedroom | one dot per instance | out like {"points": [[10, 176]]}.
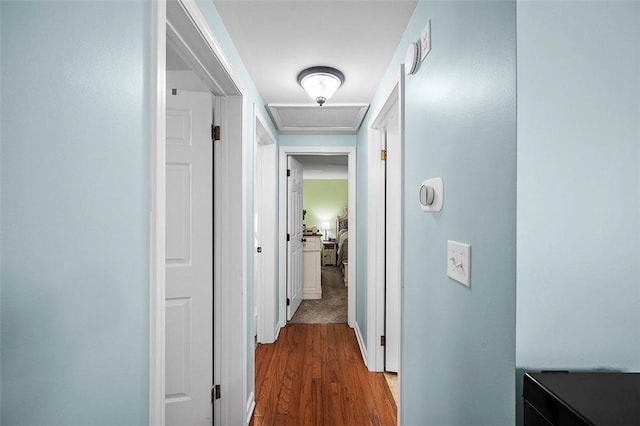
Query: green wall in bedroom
{"points": [[324, 199]]}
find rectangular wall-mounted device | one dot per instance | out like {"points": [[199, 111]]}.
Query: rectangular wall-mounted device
{"points": [[459, 262], [425, 41]]}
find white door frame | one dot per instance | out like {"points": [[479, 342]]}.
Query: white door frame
{"points": [[349, 151], [182, 22], [266, 294], [376, 224]]}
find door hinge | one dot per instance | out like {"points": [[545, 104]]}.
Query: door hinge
{"points": [[383, 154], [259, 249], [215, 133], [288, 172], [288, 237], [174, 92], [215, 393], [382, 341], [288, 301]]}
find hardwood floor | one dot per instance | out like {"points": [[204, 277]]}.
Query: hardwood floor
{"points": [[314, 375]]}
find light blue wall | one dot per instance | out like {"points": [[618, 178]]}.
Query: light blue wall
{"points": [[578, 185], [75, 217], [75, 270], [458, 354], [0, 211]]}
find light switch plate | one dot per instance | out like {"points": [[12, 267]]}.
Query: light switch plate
{"points": [[425, 41], [459, 262]]}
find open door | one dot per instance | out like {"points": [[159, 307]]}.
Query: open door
{"points": [[264, 232], [189, 259], [294, 233], [258, 228]]}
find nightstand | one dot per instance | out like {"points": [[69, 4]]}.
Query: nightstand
{"points": [[328, 253]]}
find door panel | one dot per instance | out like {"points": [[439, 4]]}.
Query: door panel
{"points": [[294, 228], [189, 262], [178, 319], [179, 215]]}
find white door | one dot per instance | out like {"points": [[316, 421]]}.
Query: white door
{"points": [[393, 275], [264, 235], [294, 229], [258, 229], [189, 262]]}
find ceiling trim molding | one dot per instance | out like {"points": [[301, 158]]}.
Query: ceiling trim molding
{"points": [[285, 125]]}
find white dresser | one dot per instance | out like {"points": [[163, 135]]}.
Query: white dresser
{"points": [[311, 257]]}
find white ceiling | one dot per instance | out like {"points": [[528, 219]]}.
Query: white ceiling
{"points": [[277, 39], [324, 166]]}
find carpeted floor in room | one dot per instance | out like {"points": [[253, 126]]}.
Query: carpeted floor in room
{"points": [[332, 308]]}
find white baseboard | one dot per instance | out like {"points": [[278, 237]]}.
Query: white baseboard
{"points": [[272, 335], [363, 347], [277, 333], [312, 295], [251, 405]]}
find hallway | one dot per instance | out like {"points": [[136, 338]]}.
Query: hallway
{"points": [[314, 375]]}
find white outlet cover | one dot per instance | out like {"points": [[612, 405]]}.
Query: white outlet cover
{"points": [[425, 41], [459, 262]]}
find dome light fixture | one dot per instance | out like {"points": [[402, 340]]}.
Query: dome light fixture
{"points": [[320, 82]]}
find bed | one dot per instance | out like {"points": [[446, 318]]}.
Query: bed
{"points": [[342, 244]]}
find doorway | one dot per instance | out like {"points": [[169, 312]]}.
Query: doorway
{"points": [[325, 223], [265, 246], [298, 151], [180, 24], [385, 214]]}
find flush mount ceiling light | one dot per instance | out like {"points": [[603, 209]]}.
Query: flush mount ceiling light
{"points": [[320, 82]]}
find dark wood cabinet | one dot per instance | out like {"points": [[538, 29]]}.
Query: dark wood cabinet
{"points": [[561, 398]]}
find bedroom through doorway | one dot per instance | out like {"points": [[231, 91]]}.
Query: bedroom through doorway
{"points": [[330, 173], [325, 240]]}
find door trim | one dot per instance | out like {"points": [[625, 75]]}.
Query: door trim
{"points": [[157, 215], [349, 151], [376, 224], [230, 283]]}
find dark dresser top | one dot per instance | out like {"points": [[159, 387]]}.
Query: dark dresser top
{"points": [[598, 398]]}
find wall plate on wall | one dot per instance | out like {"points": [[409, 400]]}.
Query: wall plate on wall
{"points": [[459, 262], [425, 41], [431, 195], [412, 59]]}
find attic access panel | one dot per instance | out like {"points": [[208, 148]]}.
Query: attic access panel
{"points": [[312, 119]]}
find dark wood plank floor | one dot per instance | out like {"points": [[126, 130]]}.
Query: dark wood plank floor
{"points": [[314, 375]]}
